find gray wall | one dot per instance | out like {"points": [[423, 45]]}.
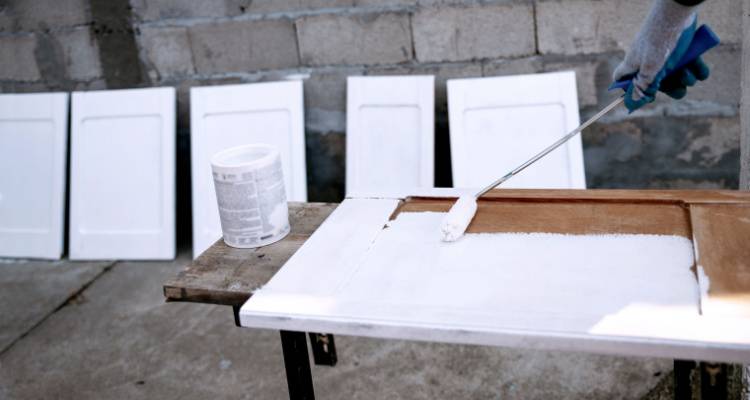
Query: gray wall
{"points": [[98, 44]]}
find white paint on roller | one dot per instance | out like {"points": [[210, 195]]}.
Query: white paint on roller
{"points": [[458, 218]]}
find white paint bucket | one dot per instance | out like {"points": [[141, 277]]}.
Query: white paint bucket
{"points": [[251, 196]]}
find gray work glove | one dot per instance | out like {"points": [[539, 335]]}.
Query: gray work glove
{"points": [[663, 39]]}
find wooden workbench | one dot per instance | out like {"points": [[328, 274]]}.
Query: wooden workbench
{"points": [[228, 276]]}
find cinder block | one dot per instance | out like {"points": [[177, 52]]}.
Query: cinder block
{"points": [[7, 20], [518, 66], [663, 152], [723, 86], [166, 51], [325, 99], [725, 18], [366, 3], [720, 94], [325, 89], [18, 62], [243, 46], [46, 14], [273, 6], [476, 32], [150, 10], [382, 38], [586, 73], [594, 26], [81, 54], [587, 26], [22, 87]]}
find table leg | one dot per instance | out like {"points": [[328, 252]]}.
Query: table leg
{"points": [[683, 389], [323, 348], [236, 312], [713, 381], [297, 364]]}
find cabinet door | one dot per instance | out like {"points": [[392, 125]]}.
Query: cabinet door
{"points": [[122, 190], [498, 123], [33, 143], [233, 115], [390, 134]]}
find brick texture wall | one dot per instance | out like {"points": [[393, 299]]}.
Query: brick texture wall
{"points": [[97, 44]]}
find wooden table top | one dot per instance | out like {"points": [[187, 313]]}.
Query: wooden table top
{"points": [[228, 276]]}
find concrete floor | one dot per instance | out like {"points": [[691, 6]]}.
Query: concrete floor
{"points": [[103, 331]]}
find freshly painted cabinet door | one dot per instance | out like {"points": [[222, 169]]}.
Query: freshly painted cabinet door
{"points": [[233, 115], [33, 142], [498, 123], [389, 134], [122, 170]]}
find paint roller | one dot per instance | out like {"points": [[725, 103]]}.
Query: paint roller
{"points": [[462, 212]]}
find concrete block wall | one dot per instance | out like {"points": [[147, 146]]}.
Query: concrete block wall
{"points": [[96, 44]]}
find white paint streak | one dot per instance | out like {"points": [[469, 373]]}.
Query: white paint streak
{"points": [[704, 283]]}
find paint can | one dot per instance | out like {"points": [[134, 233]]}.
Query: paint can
{"points": [[251, 195]]}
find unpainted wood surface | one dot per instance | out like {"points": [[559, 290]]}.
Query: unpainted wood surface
{"points": [[228, 276], [722, 237], [656, 212], [570, 217]]}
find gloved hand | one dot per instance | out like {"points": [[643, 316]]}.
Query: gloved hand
{"points": [[662, 41]]}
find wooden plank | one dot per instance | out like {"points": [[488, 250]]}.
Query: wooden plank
{"points": [[571, 217], [721, 240], [226, 275]]}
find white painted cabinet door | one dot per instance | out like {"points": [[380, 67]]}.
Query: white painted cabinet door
{"points": [[33, 142], [390, 134], [498, 123], [233, 115], [122, 190]]}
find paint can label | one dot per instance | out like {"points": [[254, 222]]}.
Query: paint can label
{"points": [[251, 197]]}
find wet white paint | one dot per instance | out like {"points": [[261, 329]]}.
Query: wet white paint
{"points": [[529, 272], [616, 294]]}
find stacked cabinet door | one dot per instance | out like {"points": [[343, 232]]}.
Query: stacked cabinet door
{"points": [[498, 123], [122, 190], [33, 142], [234, 115]]}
